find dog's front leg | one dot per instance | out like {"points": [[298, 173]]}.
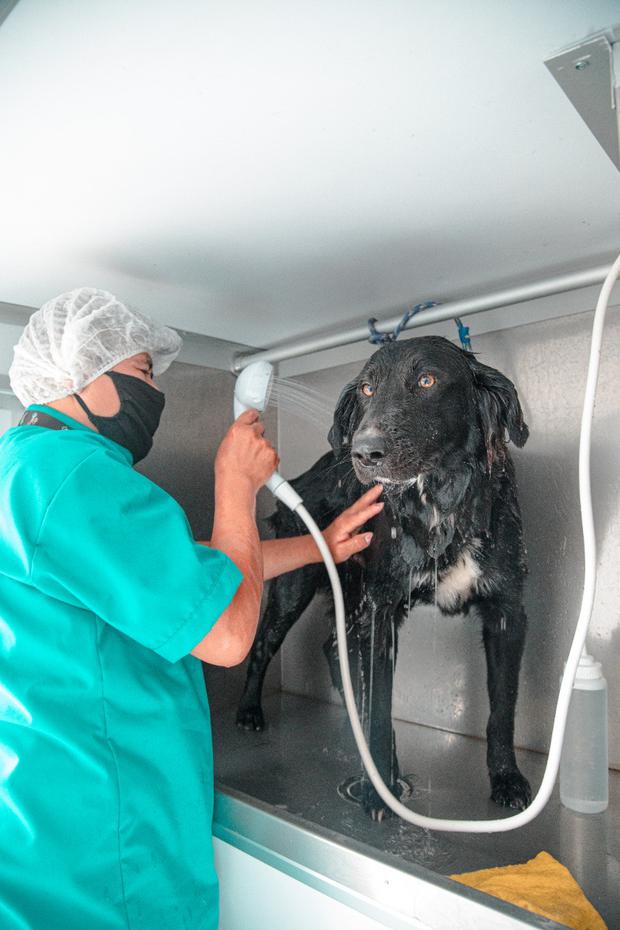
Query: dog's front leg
{"points": [[504, 627], [379, 642], [288, 597]]}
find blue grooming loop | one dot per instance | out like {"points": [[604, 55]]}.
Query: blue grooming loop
{"points": [[379, 338]]}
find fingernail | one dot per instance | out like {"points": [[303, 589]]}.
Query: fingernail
{"points": [[368, 537], [380, 504]]}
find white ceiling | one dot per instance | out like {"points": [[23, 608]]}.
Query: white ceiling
{"points": [[254, 171]]}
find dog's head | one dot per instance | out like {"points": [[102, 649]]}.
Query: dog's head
{"points": [[421, 405]]}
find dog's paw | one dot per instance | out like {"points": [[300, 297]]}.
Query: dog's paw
{"points": [[251, 718], [511, 789], [375, 806]]}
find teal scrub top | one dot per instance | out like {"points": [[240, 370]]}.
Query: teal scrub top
{"points": [[106, 770]]}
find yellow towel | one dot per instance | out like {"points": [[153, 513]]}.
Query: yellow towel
{"points": [[542, 885]]}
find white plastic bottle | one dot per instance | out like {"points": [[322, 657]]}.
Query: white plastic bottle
{"points": [[584, 776]]}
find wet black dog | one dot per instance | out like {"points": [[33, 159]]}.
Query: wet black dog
{"points": [[431, 423]]}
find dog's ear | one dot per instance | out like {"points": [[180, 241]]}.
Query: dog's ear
{"points": [[346, 418], [499, 408]]}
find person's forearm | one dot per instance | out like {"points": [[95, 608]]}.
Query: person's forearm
{"points": [[235, 533], [285, 555]]}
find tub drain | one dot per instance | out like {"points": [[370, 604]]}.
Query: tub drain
{"points": [[351, 789]]}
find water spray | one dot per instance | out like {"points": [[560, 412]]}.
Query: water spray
{"points": [[253, 388]]}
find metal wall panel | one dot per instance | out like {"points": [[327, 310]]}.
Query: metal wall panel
{"points": [[441, 672]]}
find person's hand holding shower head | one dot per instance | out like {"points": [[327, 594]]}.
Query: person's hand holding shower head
{"points": [[245, 457]]}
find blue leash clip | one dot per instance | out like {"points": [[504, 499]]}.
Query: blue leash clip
{"points": [[377, 337]]}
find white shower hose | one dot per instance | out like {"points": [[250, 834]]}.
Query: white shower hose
{"points": [[561, 711]]}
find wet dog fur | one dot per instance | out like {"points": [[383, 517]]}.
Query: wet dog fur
{"points": [[432, 423]]}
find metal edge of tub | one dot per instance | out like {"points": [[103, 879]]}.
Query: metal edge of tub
{"points": [[408, 895]]}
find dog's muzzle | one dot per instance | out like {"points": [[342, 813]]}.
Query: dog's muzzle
{"points": [[368, 452]]}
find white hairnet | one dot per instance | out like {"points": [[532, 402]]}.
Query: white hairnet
{"points": [[78, 336]]}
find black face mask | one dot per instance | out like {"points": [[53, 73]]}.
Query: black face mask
{"points": [[138, 418]]}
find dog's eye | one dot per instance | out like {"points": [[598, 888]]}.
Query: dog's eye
{"points": [[367, 389], [427, 380]]}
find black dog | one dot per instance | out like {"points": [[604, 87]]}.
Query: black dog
{"points": [[431, 423]]}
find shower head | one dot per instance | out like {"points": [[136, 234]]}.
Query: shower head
{"points": [[252, 390], [253, 387]]}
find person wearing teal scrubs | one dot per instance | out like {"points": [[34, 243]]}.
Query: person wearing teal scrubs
{"points": [[107, 606]]}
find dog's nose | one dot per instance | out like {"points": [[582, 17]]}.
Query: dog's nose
{"points": [[368, 447]]}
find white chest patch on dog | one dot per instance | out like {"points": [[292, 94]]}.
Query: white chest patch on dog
{"points": [[459, 582]]}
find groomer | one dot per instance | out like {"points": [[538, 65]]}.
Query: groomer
{"points": [[106, 776]]}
